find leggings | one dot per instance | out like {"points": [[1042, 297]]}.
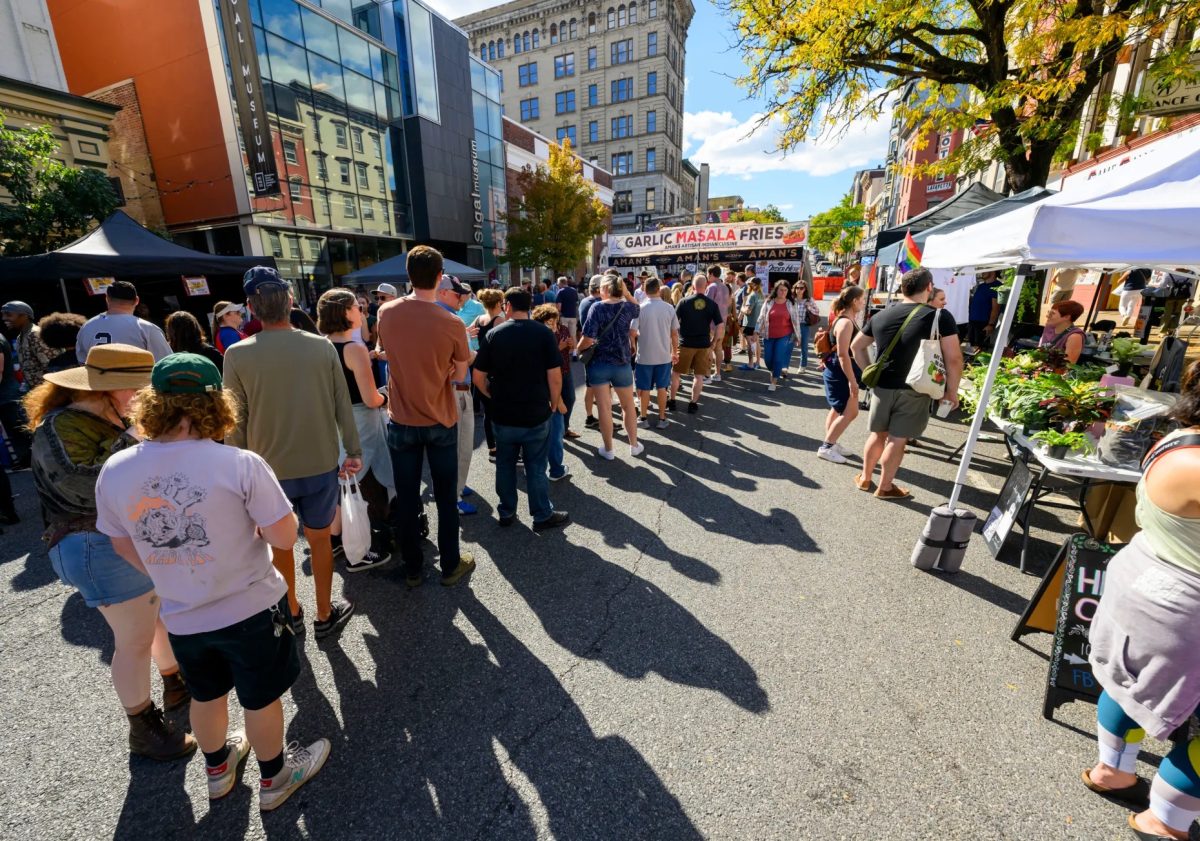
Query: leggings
{"points": [[777, 353], [1175, 792]]}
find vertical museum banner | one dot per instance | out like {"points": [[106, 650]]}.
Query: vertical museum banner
{"points": [[248, 96]]}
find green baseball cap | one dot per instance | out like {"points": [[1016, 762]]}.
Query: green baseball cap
{"points": [[185, 373]]}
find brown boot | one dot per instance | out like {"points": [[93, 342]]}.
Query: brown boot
{"points": [[175, 692], [153, 736]]}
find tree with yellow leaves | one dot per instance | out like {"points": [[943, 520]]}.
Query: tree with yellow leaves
{"points": [[556, 216], [1016, 73]]}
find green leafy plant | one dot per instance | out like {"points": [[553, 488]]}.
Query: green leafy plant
{"points": [[1124, 351], [1076, 442]]}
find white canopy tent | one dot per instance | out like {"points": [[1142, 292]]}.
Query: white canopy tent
{"points": [[1146, 212]]}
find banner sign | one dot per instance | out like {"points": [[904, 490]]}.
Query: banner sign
{"points": [[195, 285], [97, 285], [248, 96], [675, 258], [712, 242], [1173, 96]]}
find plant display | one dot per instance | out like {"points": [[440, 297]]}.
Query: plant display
{"points": [[1124, 351], [1063, 442]]}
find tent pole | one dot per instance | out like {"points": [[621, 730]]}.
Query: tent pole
{"points": [[62, 284], [985, 392]]}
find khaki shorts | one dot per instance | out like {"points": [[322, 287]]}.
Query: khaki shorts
{"points": [[900, 412], [693, 360]]}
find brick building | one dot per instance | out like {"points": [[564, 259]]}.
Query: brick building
{"points": [[129, 152]]}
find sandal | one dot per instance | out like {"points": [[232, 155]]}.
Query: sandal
{"points": [[571, 433], [867, 485], [894, 492], [1136, 796], [1142, 835]]}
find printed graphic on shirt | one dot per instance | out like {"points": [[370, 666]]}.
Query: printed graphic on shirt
{"points": [[162, 519]]}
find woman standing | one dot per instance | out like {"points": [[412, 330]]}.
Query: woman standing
{"points": [[808, 308], [340, 317], [1145, 640], [607, 327], [493, 316], [227, 325], [78, 421], [548, 314], [751, 309], [778, 326], [842, 374], [185, 335]]}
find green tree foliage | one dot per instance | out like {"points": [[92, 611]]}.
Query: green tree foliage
{"points": [[557, 216], [768, 214], [49, 203], [827, 231], [1016, 72]]}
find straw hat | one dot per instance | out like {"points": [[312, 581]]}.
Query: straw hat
{"points": [[108, 368]]}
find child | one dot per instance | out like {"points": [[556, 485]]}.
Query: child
{"points": [[199, 518]]}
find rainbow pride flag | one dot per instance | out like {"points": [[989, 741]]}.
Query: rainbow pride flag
{"points": [[909, 257]]}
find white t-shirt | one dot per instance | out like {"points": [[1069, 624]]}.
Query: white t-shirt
{"points": [[191, 508], [654, 324]]}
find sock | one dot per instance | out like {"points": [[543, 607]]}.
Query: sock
{"points": [[216, 758], [269, 769], [826, 444]]}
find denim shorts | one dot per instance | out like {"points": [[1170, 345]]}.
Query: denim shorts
{"points": [[652, 376], [87, 561], [604, 373], [315, 498]]}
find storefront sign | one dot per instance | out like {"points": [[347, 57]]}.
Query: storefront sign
{"points": [[745, 238], [1173, 96], [476, 201], [97, 285], [196, 285], [248, 96], [938, 186]]}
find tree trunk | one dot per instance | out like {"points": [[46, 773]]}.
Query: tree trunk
{"points": [[1029, 167]]}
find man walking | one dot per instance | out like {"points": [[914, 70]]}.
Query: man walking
{"points": [[897, 412], [31, 355], [697, 315], [657, 329], [429, 346], [719, 293], [520, 372], [593, 298], [120, 326], [295, 408], [452, 295], [568, 306]]}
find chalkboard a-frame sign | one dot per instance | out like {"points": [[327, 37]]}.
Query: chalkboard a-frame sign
{"points": [[1085, 564], [1007, 510]]}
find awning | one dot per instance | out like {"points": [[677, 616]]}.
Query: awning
{"points": [[396, 269]]}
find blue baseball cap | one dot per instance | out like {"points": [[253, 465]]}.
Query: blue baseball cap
{"points": [[259, 276]]}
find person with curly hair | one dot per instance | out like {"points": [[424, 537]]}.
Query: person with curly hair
{"points": [[199, 519], [59, 332]]}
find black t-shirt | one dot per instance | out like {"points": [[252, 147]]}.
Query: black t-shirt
{"points": [[516, 358], [1137, 280], [568, 302], [883, 327], [697, 315]]}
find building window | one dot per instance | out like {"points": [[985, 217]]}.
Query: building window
{"points": [[593, 96], [322, 168], [525, 42], [564, 65], [633, 13], [535, 39], [314, 248], [527, 74], [289, 151], [593, 132], [651, 122], [350, 206], [621, 127], [368, 208], [623, 201], [492, 51], [650, 203], [567, 132], [323, 195], [378, 146], [651, 160], [516, 43], [622, 163], [592, 23], [483, 52], [553, 33], [574, 29], [344, 171], [564, 102], [276, 245], [358, 143], [622, 16], [670, 203], [294, 189], [622, 90], [620, 52], [653, 12], [591, 58], [529, 109], [612, 18], [363, 181], [500, 48], [294, 247], [651, 84], [652, 44], [339, 135]]}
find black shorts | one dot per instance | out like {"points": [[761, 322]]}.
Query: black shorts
{"points": [[246, 656]]}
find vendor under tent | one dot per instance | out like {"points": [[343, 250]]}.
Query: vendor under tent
{"points": [[1146, 213], [395, 269]]}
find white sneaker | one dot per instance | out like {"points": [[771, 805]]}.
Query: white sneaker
{"points": [[222, 778], [716, 378], [841, 451], [663, 423], [830, 454], [637, 449], [299, 766], [643, 423], [709, 381], [771, 387], [605, 454]]}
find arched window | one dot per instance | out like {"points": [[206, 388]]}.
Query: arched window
{"points": [[574, 29], [516, 42], [500, 48], [612, 18], [553, 33], [622, 16], [492, 51], [591, 23], [562, 30], [632, 13], [525, 42], [483, 52], [535, 39]]}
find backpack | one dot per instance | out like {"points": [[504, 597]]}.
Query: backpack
{"points": [[824, 338]]}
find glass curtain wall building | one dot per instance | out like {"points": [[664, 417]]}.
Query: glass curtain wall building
{"points": [[489, 151]]}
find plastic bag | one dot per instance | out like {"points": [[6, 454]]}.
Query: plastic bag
{"points": [[1138, 420], [928, 372], [356, 528]]}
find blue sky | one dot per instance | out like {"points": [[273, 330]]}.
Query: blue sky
{"points": [[719, 119]]}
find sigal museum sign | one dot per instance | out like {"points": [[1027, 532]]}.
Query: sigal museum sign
{"points": [[738, 241]]}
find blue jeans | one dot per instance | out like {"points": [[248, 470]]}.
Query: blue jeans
{"points": [[568, 396], [777, 353], [804, 328], [534, 441], [87, 561], [558, 429], [410, 446]]}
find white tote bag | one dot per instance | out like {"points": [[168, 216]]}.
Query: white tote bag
{"points": [[356, 528], [928, 373]]}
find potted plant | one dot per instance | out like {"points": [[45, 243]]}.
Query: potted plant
{"points": [[1059, 444], [1123, 352]]}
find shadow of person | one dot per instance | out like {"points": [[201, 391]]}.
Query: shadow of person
{"points": [[37, 572], [157, 799], [85, 627]]}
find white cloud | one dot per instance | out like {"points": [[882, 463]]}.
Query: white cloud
{"points": [[736, 147], [452, 9]]}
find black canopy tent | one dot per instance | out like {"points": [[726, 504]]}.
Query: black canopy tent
{"points": [[396, 269], [121, 248]]}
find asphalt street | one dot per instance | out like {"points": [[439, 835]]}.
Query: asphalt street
{"points": [[727, 642]]}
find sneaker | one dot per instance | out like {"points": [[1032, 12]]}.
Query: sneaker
{"points": [[566, 473], [745, 367], [298, 623], [222, 777], [830, 454], [637, 449], [555, 520], [841, 451], [299, 766], [771, 387], [466, 509], [591, 422], [370, 560], [643, 422], [709, 381], [671, 405], [693, 408], [466, 565], [505, 522], [608, 455], [716, 378], [663, 423], [338, 617], [466, 491], [151, 735]]}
